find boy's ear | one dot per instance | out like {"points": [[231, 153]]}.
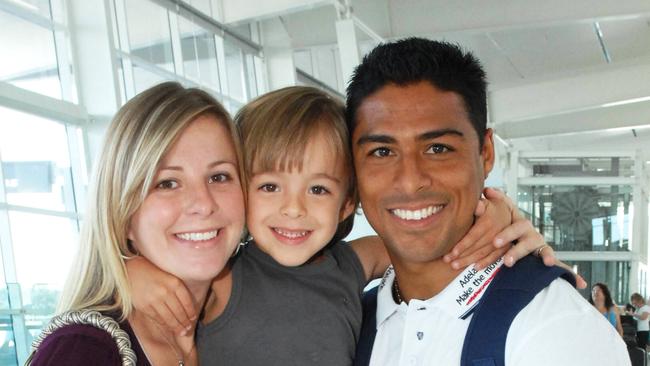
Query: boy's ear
{"points": [[346, 209]]}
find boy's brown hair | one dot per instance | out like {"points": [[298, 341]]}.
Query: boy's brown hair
{"points": [[276, 127]]}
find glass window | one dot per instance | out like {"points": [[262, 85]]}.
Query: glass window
{"points": [[44, 247], [145, 79], [580, 218], [149, 33], [199, 54], [29, 56], [41, 7], [615, 274], [7, 343], [35, 162]]}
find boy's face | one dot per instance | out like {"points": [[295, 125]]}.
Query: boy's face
{"points": [[292, 215], [419, 169]]}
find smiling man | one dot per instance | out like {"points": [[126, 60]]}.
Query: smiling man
{"points": [[417, 117]]}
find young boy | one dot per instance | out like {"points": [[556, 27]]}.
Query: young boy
{"points": [[292, 294]]}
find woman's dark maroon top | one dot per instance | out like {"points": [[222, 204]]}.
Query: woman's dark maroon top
{"points": [[77, 345]]}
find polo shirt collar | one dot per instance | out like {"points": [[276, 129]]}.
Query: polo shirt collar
{"points": [[458, 299]]}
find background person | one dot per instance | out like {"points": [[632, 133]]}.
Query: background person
{"points": [[640, 315], [601, 299]]}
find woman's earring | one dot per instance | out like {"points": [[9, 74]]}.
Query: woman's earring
{"points": [[132, 251], [234, 254]]}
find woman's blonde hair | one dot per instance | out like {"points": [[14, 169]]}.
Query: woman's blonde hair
{"points": [[138, 138], [276, 127]]}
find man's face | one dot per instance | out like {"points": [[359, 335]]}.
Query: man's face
{"points": [[420, 169]]}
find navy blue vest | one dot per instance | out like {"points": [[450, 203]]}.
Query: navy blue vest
{"points": [[485, 342]]}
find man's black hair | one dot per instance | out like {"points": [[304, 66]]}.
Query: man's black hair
{"points": [[446, 66]]}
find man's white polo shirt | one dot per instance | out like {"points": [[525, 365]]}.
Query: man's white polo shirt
{"points": [[557, 328]]}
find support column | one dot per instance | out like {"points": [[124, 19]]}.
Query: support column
{"points": [[278, 54], [348, 49], [638, 236], [512, 169], [96, 64]]}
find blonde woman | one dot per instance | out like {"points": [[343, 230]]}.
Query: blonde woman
{"points": [[167, 188]]}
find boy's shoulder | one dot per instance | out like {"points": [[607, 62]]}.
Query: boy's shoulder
{"points": [[339, 255]]}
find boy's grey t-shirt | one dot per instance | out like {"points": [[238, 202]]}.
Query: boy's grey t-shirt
{"points": [[306, 315]]}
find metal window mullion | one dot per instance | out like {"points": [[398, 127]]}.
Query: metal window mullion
{"points": [[258, 61], [242, 74], [30, 16], [251, 73], [177, 49], [215, 39], [65, 66], [39, 211], [260, 75], [41, 105], [11, 277], [125, 47], [248, 94], [221, 64], [63, 42], [75, 153]]}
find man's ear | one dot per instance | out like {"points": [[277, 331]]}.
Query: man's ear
{"points": [[487, 152], [346, 209]]}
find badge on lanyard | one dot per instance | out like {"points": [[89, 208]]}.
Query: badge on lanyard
{"points": [[469, 286]]}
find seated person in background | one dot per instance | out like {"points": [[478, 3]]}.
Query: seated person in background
{"points": [[641, 316], [601, 299]]}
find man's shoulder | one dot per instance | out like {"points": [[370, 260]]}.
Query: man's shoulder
{"points": [[559, 298], [561, 320]]}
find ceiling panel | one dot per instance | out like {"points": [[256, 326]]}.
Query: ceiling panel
{"points": [[627, 38], [537, 52]]}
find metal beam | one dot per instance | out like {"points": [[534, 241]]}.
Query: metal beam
{"points": [[188, 11], [240, 11], [41, 105], [597, 256], [602, 86], [594, 119], [575, 181]]}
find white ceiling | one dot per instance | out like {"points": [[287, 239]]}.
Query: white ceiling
{"points": [[550, 83]]}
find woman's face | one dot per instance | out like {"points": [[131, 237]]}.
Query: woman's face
{"points": [[193, 216], [597, 294]]}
